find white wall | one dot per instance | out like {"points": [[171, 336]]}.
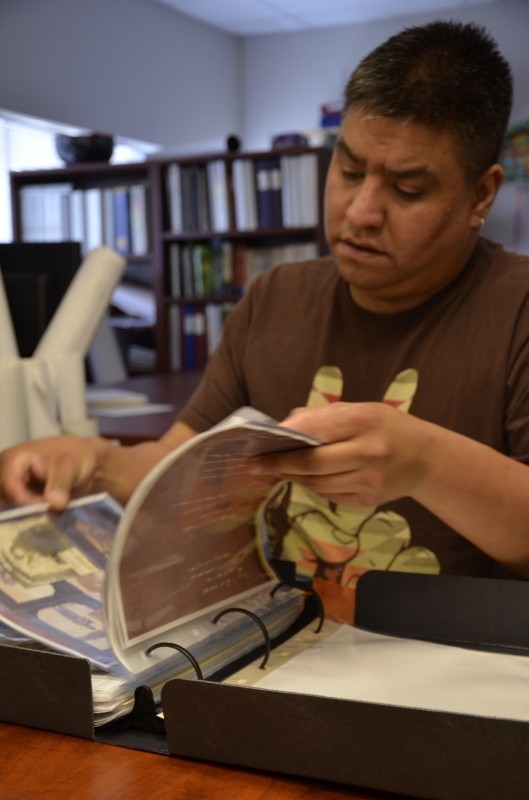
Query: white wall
{"points": [[288, 76], [141, 70], [128, 67]]}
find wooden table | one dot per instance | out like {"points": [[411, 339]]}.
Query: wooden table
{"points": [[37, 765], [173, 388]]}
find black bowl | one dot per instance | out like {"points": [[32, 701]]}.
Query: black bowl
{"points": [[82, 149]]}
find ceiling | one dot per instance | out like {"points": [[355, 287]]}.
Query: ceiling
{"points": [[252, 17]]}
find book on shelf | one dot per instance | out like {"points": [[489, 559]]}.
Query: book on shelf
{"points": [[194, 337], [268, 184], [78, 217], [245, 194], [218, 287], [144, 592], [195, 200], [199, 270], [108, 217], [264, 193], [188, 285], [139, 230], [175, 338], [200, 338], [122, 238], [188, 337], [174, 197], [94, 219], [218, 195], [276, 191], [202, 198], [216, 315], [175, 274], [227, 264], [113, 216], [299, 181], [45, 213]]}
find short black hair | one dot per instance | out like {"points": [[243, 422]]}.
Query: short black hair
{"points": [[446, 75]]}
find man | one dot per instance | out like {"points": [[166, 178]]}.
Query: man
{"points": [[406, 351]]}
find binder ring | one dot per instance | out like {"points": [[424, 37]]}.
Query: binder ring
{"points": [[317, 599], [190, 657], [258, 621]]}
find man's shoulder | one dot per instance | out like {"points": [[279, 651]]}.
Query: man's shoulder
{"points": [[498, 257], [499, 278]]}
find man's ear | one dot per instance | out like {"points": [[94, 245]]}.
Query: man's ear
{"points": [[486, 190]]}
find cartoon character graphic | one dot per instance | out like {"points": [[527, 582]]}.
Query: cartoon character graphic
{"points": [[336, 542]]}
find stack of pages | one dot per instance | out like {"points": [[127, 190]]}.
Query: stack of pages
{"points": [[128, 589]]}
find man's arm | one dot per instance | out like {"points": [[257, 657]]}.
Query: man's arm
{"points": [[374, 454], [54, 469]]}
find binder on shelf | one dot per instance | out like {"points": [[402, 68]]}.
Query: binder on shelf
{"points": [[245, 194], [122, 237], [268, 184], [218, 195], [94, 219], [174, 197], [139, 232], [263, 181]]}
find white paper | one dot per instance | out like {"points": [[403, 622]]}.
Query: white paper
{"points": [[13, 420], [83, 306], [353, 664], [133, 411], [110, 397], [8, 342]]}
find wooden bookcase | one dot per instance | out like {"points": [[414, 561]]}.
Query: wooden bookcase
{"points": [[208, 224]]}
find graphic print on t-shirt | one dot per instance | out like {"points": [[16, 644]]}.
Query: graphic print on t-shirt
{"points": [[337, 542]]}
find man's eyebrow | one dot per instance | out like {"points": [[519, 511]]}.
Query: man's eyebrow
{"points": [[345, 150], [419, 171]]}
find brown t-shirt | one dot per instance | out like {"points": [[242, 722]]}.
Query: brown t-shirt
{"points": [[460, 360]]}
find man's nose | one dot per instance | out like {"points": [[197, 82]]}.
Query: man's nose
{"points": [[366, 208]]}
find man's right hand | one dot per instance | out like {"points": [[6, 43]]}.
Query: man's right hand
{"points": [[55, 469], [50, 470]]}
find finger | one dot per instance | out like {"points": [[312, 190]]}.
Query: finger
{"points": [[329, 459], [66, 474], [334, 422], [23, 477]]}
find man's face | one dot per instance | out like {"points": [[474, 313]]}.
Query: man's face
{"points": [[401, 217]]}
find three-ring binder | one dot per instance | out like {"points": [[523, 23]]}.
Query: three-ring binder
{"points": [[290, 580]]}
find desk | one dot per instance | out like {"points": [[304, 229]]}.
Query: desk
{"points": [[160, 388], [37, 765]]}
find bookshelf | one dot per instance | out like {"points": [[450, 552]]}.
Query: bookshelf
{"points": [[195, 231]]}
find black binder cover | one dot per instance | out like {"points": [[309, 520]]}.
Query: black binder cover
{"points": [[45, 690], [416, 752]]}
